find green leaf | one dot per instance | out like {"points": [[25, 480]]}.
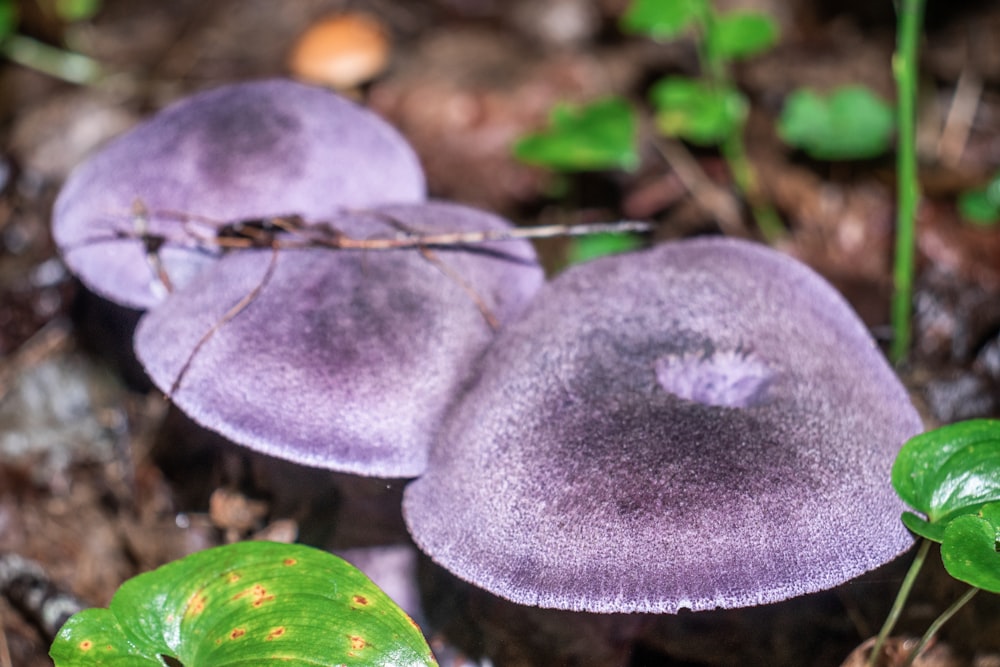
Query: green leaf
{"points": [[592, 246], [740, 35], [982, 205], [696, 111], [8, 18], [599, 135], [948, 472], [243, 604], [72, 11], [971, 548], [664, 19], [850, 124]]}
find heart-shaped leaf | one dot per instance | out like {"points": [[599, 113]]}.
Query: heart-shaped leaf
{"points": [[696, 111], [8, 18], [850, 124], [981, 206], [242, 604], [971, 548], [599, 135], [592, 246], [948, 472], [663, 20], [740, 35]]}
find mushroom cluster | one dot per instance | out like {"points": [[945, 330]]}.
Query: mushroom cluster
{"points": [[702, 425], [341, 359]]}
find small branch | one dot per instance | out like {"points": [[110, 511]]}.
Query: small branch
{"points": [[229, 315], [718, 201], [66, 65], [938, 622], [341, 242], [961, 113], [897, 605]]}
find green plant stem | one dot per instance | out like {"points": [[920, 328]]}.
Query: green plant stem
{"points": [[65, 65], [938, 622], [904, 66], [733, 148], [897, 606], [764, 214]]}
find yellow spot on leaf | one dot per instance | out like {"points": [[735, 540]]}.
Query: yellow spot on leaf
{"points": [[360, 599], [357, 643], [234, 577], [196, 604], [237, 633], [86, 645], [290, 561], [258, 595], [274, 634]]}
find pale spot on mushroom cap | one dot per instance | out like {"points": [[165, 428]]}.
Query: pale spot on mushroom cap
{"points": [[569, 477], [726, 378]]}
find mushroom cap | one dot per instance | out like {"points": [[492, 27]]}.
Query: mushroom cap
{"points": [[242, 151], [344, 359], [704, 424]]}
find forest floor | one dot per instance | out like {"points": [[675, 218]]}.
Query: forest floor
{"points": [[100, 479]]}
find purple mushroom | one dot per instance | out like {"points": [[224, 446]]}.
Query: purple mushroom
{"points": [[241, 151], [341, 359], [703, 425]]}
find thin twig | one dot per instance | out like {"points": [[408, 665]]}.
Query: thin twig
{"points": [[230, 314], [958, 122], [714, 199], [43, 343], [5, 660], [938, 622], [897, 605], [491, 319], [410, 241]]}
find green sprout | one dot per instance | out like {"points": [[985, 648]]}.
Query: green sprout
{"points": [[709, 110], [60, 63], [706, 111], [852, 123], [981, 206], [951, 475], [243, 604], [600, 135]]}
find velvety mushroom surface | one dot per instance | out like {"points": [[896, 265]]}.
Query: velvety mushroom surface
{"points": [[339, 359], [704, 424], [241, 151]]}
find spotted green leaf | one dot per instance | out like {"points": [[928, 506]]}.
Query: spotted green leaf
{"points": [[598, 135], [696, 111], [948, 472], [970, 549], [243, 604]]}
